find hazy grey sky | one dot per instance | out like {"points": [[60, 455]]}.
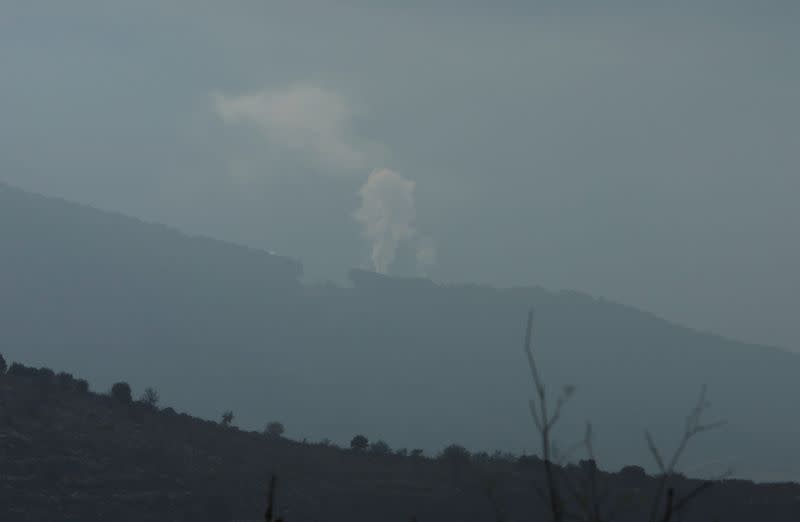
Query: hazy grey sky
{"points": [[644, 154]]}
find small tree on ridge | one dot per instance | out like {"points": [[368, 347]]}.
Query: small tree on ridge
{"points": [[359, 443], [121, 391], [274, 429]]}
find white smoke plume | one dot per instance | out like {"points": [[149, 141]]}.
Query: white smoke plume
{"points": [[387, 214], [426, 255], [317, 123], [304, 118]]}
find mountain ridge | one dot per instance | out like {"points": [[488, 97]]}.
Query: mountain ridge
{"points": [[213, 325]]}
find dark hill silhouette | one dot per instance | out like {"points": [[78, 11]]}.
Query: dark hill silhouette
{"points": [[72, 455], [216, 326]]}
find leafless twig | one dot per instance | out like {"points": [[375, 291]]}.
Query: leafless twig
{"points": [[693, 427], [545, 421]]}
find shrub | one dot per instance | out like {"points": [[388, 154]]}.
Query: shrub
{"points": [[19, 370], [65, 381], [227, 418], [455, 453], [633, 472], [457, 458], [528, 461], [588, 465], [149, 398], [274, 429], [417, 453], [359, 443], [121, 391], [46, 375], [380, 448], [82, 386]]}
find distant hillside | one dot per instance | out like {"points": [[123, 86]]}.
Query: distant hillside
{"points": [[216, 326], [81, 287], [92, 249], [71, 455]]}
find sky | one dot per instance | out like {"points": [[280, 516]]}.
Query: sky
{"points": [[643, 152]]}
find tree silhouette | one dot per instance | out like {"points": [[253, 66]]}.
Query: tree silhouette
{"points": [[150, 397], [457, 458], [359, 443], [121, 391], [380, 448], [274, 429]]}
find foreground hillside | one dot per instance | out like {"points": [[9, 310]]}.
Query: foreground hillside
{"points": [[68, 454], [215, 326]]}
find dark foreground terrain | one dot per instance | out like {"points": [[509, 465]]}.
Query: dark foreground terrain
{"points": [[68, 454]]}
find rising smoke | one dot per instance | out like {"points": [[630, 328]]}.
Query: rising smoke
{"points": [[316, 123], [387, 214], [312, 122]]}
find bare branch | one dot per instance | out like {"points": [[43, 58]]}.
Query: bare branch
{"points": [[654, 451], [544, 423], [529, 353], [535, 414], [692, 428]]}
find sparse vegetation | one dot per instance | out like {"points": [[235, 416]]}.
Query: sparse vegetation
{"points": [[587, 500], [65, 381], [274, 429], [380, 448], [457, 458], [203, 470], [359, 443], [121, 391], [81, 386], [581, 492], [20, 370], [150, 398]]}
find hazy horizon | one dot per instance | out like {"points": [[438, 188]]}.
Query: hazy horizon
{"points": [[645, 154]]}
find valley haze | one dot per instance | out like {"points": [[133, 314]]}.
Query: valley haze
{"points": [[642, 151], [215, 326]]}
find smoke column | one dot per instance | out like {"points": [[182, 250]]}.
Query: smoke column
{"points": [[387, 215], [316, 123]]}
